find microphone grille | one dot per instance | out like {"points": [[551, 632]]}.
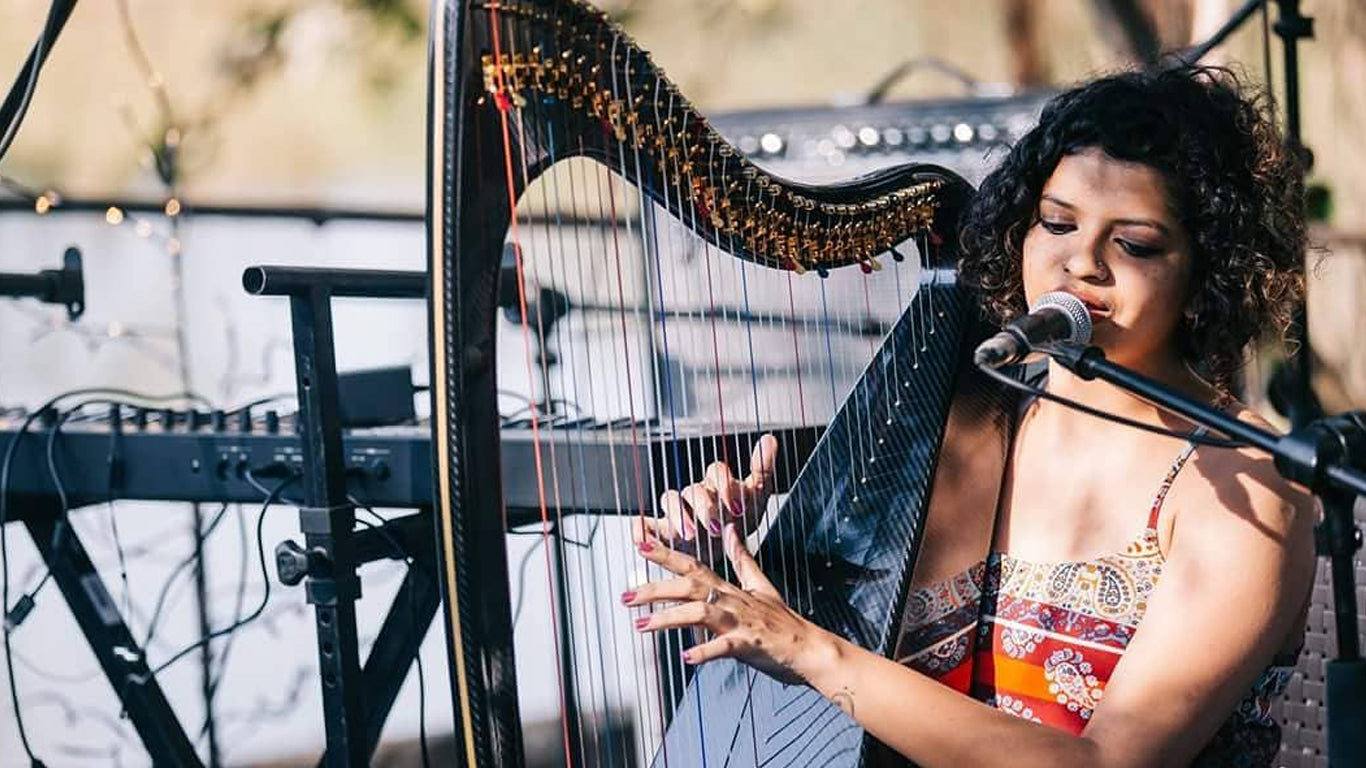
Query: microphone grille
{"points": [[1078, 316]]}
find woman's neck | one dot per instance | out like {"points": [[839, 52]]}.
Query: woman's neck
{"points": [[1108, 398]]}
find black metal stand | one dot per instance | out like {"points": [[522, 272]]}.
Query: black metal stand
{"points": [[1291, 26], [1292, 392], [119, 655], [327, 563], [53, 286], [124, 663], [1323, 456]]}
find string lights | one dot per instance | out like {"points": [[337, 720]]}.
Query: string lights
{"points": [[145, 227]]}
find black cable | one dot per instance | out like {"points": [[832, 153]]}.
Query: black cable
{"points": [[521, 579], [4, 577], [112, 462], [63, 522], [174, 574], [265, 597], [238, 602], [250, 476], [12, 130], [554, 531], [1213, 442], [260, 401], [57, 677], [878, 92]]}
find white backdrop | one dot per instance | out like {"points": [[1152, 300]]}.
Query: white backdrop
{"points": [[239, 348]]}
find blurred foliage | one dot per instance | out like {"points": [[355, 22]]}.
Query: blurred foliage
{"points": [[257, 50], [399, 15]]}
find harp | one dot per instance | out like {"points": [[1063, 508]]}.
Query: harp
{"points": [[715, 302]]}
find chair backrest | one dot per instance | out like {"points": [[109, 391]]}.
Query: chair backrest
{"points": [[1302, 712]]}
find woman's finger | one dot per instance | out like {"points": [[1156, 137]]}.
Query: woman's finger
{"points": [[678, 511], [729, 492], [673, 590], [747, 570], [761, 462], [658, 528], [672, 560], [693, 614], [715, 648], [759, 484], [705, 510]]}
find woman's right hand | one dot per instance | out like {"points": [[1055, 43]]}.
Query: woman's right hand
{"points": [[698, 514]]}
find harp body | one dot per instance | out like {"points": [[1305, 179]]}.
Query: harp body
{"points": [[520, 89]]}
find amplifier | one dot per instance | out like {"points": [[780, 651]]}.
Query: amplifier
{"points": [[827, 144]]}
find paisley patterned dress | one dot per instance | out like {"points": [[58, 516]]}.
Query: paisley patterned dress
{"points": [[1040, 640]]}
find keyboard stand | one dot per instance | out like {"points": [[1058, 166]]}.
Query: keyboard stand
{"points": [[124, 662], [119, 655], [355, 701]]}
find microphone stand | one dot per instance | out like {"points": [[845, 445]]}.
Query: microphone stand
{"points": [[1323, 456], [52, 286]]}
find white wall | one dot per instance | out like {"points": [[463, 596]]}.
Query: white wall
{"points": [[239, 348]]}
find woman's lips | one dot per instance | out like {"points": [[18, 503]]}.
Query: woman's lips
{"points": [[1096, 309]]}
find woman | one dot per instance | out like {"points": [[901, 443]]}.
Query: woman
{"points": [[1143, 600]]}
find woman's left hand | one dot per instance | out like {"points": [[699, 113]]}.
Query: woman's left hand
{"points": [[750, 623]]}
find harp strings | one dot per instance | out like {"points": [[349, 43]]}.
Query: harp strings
{"points": [[504, 107], [660, 317], [649, 712], [576, 591]]}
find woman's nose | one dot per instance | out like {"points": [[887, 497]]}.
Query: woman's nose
{"points": [[1085, 264]]}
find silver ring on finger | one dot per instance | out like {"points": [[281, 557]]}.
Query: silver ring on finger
{"points": [[712, 596]]}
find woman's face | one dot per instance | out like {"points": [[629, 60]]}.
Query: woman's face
{"points": [[1107, 235]]}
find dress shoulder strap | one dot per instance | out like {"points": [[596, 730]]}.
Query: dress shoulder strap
{"points": [[1171, 478]]}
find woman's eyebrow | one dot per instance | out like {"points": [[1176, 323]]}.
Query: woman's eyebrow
{"points": [[1152, 223], [1157, 225]]}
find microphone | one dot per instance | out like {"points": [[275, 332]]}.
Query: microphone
{"points": [[1055, 317]]}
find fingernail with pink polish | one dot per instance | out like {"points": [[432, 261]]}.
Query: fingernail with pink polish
{"points": [[735, 508], [687, 657], [714, 526], [647, 546], [628, 596], [642, 622]]}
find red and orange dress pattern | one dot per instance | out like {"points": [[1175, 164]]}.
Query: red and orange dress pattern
{"points": [[1040, 640]]}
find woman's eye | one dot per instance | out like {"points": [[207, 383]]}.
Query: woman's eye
{"points": [[1139, 251], [1056, 227]]}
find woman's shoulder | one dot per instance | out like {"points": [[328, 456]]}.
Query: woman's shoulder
{"points": [[1237, 488]]}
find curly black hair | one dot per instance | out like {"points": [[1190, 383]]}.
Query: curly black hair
{"points": [[1231, 181]]}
